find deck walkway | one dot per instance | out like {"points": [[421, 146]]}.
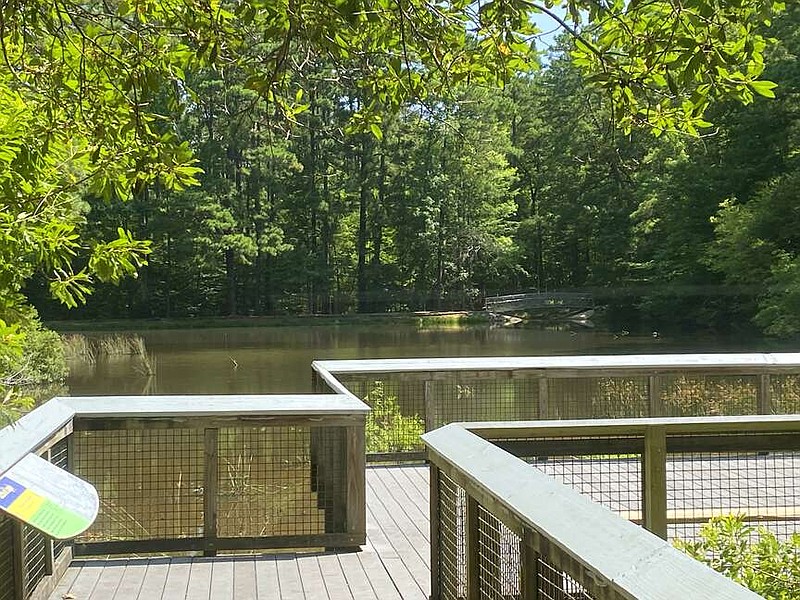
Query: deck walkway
{"points": [[394, 565]]}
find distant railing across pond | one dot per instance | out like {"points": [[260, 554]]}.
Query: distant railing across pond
{"points": [[409, 396], [192, 473], [503, 529]]}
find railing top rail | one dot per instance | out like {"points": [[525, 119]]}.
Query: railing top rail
{"points": [[38, 426], [749, 362], [670, 425], [622, 556], [215, 406]]}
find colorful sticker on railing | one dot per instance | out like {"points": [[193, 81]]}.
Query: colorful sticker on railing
{"points": [[48, 498]]}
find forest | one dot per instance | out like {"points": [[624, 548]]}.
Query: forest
{"points": [[483, 190]]}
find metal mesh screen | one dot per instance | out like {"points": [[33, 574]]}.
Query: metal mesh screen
{"points": [[499, 568], [33, 551], [7, 581], [698, 395], [150, 482], [265, 483], [764, 487], [785, 394], [555, 584], [452, 540], [485, 399], [615, 481], [597, 397]]}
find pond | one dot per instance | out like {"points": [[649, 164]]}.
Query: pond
{"points": [[263, 360]]}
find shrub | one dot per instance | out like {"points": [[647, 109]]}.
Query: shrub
{"points": [[751, 556], [387, 429]]}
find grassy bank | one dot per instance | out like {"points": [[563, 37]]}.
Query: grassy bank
{"points": [[421, 319]]}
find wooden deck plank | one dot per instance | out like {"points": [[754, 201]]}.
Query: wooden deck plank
{"points": [[311, 577], [131, 581], [417, 476], [333, 576], [399, 500], [357, 579], [267, 586], [154, 578], [177, 579], [400, 528], [199, 587], [244, 578], [110, 577], [63, 586], [85, 582], [405, 574], [222, 579], [380, 580], [291, 588]]}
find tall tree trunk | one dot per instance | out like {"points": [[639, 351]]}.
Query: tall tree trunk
{"points": [[362, 283]]}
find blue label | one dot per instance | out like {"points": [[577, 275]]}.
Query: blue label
{"points": [[9, 491]]}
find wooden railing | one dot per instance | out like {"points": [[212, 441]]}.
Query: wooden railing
{"points": [[193, 473], [502, 528], [437, 391]]}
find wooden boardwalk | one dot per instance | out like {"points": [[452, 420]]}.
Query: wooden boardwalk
{"points": [[394, 565]]}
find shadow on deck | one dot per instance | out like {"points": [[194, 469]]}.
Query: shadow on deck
{"points": [[394, 565]]}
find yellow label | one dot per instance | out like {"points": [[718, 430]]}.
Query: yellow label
{"points": [[26, 505]]}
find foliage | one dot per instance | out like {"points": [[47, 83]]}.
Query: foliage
{"points": [[387, 429], [751, 556]]}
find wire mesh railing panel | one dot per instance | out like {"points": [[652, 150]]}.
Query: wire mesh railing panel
{"points": [[613, 481], [499, 556], [33, 553], [485, 399], [702, 395], [555, 584], [7, 575], [59, 456], [597, 397], [397, 418], [150, 482], [784, 394], [452, 540], [763, 487], [264, 483]]}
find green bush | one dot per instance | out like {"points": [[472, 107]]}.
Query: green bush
{"points": [[751, 556], [387, 429]]}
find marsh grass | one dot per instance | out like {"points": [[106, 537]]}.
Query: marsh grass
{"points": [[88, 350]]}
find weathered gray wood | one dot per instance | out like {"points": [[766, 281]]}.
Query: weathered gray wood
{"points": [[529, 565], [87, 578], [132, 579], [244, 578], [654, 396], [199, 586], [355, 484], [32, 431], [429, 403], [110, 578], [177, 581], [222, 579], [357, 579], [764, 398], [621, 556], [336, 583], [473, 552], [267, 585], [214, 405], [544, 398], [18, 557], [210, 490], [289, 580], [654, 481], [434, 530], [155, 577]]}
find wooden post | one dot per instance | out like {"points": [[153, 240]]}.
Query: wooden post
{"points": [[433, 476], [430, 407], [529, 568], [356, 466], [18, 557], [472, 550], [543, 398], [764, 395], [654, 396], [210, 491], [654, 481]]}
